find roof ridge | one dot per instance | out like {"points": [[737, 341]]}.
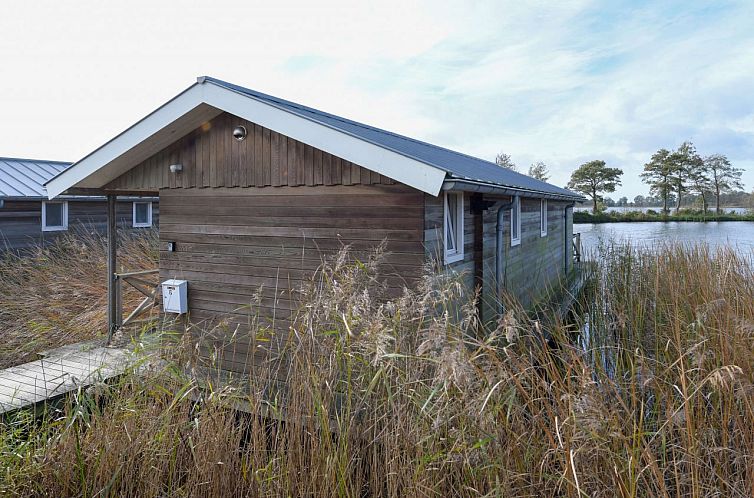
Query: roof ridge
{"points": [[342, 119], [285, 102]]}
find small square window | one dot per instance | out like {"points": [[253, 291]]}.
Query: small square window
{"points": [[516, 221], [54, 216], [543, 217], [453, 227], [142, 214]]}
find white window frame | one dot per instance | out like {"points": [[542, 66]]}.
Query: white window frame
{"points": [[149, 215], [451, 256], [543, 217], [55, 228], [516, 211]]}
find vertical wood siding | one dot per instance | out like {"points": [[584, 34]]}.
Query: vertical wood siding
{"points": [[211, 157], [21, 221]]}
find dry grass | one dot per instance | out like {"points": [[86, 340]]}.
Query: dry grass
{"points": [[401, 398], [56, 295]]}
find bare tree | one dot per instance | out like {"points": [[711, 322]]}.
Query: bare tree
{"points": [[539, 171], [504, 160]]}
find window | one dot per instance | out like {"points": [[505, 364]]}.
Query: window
{"points": [[543, 217], [516, 221], [142, 214], [54, 216], [453, 224]]}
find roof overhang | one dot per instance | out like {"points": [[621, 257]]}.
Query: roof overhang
{"points": [[457, 184], [203, 101]]}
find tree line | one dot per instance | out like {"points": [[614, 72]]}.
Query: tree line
{"points": [[537, 170], [670, 175], [684, 170]]}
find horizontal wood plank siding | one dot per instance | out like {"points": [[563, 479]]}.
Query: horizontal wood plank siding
{"points": [[249, 251], [534, 266], [530, 268], [21, 221], [211, 157], [434, 209]]}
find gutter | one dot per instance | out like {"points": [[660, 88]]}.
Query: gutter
{"points": [[488, 188]]}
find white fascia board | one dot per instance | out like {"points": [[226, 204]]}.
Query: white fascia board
{"points": [[142, 130], [358, 151], [384, 161]]}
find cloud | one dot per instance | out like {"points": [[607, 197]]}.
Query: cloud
{"points": [[563, 82]]}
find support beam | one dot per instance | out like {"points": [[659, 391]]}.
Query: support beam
{"points": [[112, 279], [478, 207]]}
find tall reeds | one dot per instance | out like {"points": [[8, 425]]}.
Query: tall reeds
{"points": [[650, 392], [56, 294]]}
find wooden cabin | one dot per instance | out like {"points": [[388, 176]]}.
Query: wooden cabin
{"points": [[254, 189], [28, 218]]}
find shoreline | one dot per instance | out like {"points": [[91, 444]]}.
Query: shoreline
{"points": [[580, 218], [605, 222]]}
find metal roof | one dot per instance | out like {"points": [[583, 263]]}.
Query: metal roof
{"points": [[456, 164], [25, 178]]}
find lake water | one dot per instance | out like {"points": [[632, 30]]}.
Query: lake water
{"points": [[739, 234]]}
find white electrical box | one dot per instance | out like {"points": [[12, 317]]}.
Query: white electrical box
{"points": [[175, 296]]}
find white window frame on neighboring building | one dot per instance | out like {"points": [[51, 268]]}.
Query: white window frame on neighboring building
{"points": [[516, 221], [149, 215], [543, 217], [453, 248], [64, 216]]}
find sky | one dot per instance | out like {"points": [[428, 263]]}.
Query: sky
{"points": [[562, 82]]}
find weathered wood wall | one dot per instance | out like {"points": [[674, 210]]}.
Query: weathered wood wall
{"points": [[530, 267], [536, 265], [434, 209], [21, 221], [255, 217], [211, 157], [236, 243]]}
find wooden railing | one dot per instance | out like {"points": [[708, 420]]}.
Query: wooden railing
{"points": [[137, 280], [577, 247]]}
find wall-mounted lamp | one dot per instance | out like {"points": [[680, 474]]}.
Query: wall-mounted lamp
{"points": [[176, 168], [239, 133]]}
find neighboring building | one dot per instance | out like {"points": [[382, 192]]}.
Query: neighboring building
{"points": [[28, 217], [253, 189]]}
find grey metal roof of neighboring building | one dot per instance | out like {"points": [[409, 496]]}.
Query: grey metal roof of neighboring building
{"points": [[457, 165], [26, 177]]}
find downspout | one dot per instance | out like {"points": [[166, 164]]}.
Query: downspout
{"points": [[499, 253], [565, 238]]}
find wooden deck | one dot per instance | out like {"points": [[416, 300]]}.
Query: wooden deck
{"points": [[58, 372]]}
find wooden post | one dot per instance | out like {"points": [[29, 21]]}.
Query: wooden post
{"points": [[477, 209], [112, 281]]}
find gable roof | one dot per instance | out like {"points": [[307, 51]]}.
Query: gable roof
{"points": [[456, 164], [25, 178], [415, 163]]}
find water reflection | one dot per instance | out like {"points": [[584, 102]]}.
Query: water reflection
{"points": [[739, 234]]}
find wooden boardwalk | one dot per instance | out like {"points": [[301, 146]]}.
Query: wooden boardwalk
{"points": [[60, 371]]}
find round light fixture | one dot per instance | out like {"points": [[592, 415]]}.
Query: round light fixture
{"points": [[239, 133]]}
